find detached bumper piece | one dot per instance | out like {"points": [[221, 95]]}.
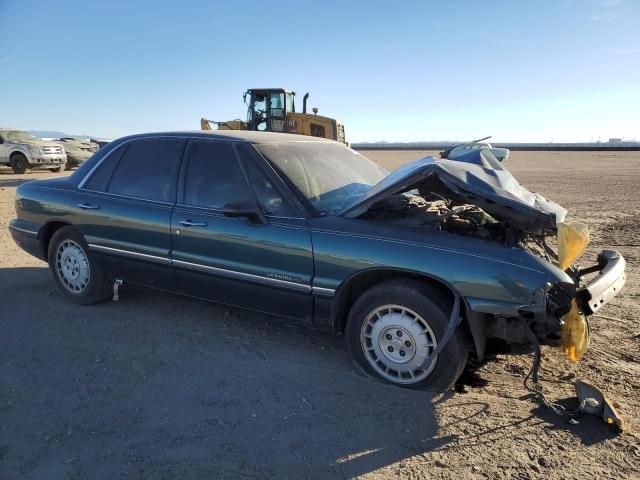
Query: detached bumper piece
{"points": [[593, 402], [606, 285]]}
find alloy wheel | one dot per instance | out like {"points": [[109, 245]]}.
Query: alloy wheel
{"points": [[72, 266], [398, 344]]}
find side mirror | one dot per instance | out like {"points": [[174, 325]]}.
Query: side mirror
{"points": [[248, 210]]}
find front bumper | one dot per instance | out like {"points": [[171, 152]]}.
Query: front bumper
{"points": [[547, 314], [606, 285], [48, 160]]}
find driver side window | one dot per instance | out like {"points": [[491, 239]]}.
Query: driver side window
{"points": [[213, 176], [269, 197]]}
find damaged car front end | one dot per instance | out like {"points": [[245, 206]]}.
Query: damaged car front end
{"points": [[476, 196]]}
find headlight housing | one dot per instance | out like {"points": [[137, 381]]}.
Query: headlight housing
{"points": [[35, 150]]}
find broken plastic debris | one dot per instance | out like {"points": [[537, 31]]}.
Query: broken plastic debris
{"points": [[575, 333], [594, 402], [573, 238]]}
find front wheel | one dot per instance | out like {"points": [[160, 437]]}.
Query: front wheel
{"points": [[19, 163], [393, 330], [75, 272]]}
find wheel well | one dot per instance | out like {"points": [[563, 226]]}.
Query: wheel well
{"points": [[16, 154], [361, 282], [46, 232]]}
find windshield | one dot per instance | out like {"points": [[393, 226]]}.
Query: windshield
{"points": [[329, 175], [17, 136]]}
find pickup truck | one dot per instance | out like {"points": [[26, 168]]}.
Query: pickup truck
{"points": [[22, 151]]}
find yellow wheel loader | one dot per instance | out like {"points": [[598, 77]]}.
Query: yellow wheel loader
{"points": [[274, 110]]}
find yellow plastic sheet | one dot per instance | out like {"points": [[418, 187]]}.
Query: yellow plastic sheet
{"points": [[573, 238], [575, 333]]}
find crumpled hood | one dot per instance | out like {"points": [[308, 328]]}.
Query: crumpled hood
{"points": [[471, 181]]}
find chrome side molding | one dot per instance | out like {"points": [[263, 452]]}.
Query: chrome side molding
{"points": [[249, 277], [301, 287], [129, 254]]}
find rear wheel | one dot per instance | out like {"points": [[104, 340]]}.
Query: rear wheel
{"points": [[75, 272], [19, 163], [393, 330]]}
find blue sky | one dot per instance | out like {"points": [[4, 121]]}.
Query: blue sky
{"points": [[562, 70]]}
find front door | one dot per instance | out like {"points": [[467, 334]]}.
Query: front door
{"points": [[262, 266]]}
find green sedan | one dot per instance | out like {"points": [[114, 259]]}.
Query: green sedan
{"points": [[417, 268]]}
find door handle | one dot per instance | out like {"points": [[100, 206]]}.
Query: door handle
{"points": [[88, 206], [189, 223]]}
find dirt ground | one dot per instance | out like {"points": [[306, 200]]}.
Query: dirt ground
{"points": [[159, 386]]}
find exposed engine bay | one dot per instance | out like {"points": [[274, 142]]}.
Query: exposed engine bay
{"points": [[472, 196], [431, 211]]}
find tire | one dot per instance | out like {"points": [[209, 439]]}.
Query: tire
{"points": [[56, 169], [75, 272], [68, 166], [19, 163], [397, 316]]}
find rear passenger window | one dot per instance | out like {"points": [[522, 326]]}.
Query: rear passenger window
{"points": [[149, 170], [99, 181], [214, 177]]}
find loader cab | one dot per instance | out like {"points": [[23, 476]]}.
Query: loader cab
{"points": [[268, 108]]}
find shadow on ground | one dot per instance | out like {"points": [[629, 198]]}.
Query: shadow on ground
{"points": [[184, 388], [589, 429], [13, 182]]}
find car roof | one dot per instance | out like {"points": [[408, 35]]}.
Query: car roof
{"points": [[240, 135]]}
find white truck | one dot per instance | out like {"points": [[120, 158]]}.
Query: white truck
{"points": [[22, 151]]}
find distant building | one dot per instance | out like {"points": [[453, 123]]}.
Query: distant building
{"points": [[615, 140]]}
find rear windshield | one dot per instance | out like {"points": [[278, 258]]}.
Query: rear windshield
{"points": [[329, 175]]}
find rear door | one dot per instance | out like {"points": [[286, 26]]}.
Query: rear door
{"points": [[124, 210], [262, 266]]}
